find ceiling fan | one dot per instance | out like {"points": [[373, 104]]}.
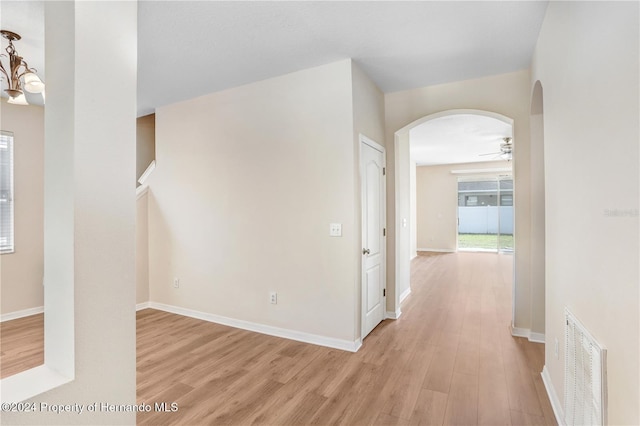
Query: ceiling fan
{"points": [[506, 149]]}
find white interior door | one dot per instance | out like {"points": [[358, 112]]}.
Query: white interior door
{"points": [[372, 163]]}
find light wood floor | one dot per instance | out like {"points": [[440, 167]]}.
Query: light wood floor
{"points": [[21, 344], [449, 359]]}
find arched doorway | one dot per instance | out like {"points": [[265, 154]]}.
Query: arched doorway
{"points": [[403, 196]]}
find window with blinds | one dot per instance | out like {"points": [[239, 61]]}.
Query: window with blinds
{"points": [[6, 192]]}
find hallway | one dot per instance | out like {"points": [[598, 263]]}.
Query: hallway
{"points": [[449, 359], [461, 305]]}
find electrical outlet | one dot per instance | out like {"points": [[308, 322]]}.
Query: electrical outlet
{"points": [[557, 348], [335, 229], [273, 298], [176, 283]]}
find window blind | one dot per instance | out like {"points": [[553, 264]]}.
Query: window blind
{"points": [[6, 192]]}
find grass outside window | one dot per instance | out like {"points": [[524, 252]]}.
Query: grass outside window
{"points": [[485, 241]]}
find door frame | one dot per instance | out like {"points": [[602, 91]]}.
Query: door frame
{"points": [[402, 265], [362, 139]]}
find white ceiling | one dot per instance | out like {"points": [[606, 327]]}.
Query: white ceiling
{"points": [[190, 48], [460, 138]]}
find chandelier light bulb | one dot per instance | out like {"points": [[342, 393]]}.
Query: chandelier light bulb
{"points": [[32, 83], [18, 100], [13, 93]]}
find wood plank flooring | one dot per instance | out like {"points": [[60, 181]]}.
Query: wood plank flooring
{"points": [[21, 344], [449, 359]]}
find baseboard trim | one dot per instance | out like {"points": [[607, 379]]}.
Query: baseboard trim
{"points": [[141, 306], [530, 335], [405, 294], [345, 345], [553, 397], [393, 315], [437, 250], [21, 314]]}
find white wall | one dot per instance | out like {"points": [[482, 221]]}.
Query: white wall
{"points": [[368, 107], [247, 182], [586, 59], [537, 211], [89, 213], [22, 271], [400, 234], [145, 154], [368, 120], [506, 94], [142, 248], [437, 203], [413, 212]]}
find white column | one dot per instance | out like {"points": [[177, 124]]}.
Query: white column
{"points": [[90, 134]]}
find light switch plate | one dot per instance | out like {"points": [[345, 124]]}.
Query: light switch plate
{"points": [[335, 229]]}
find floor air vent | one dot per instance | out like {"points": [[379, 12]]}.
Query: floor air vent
{"points": [[585, 376]]}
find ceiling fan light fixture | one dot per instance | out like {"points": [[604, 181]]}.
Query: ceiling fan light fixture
{"points": [[507, 149]]}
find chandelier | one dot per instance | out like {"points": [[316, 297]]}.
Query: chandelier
{"points": [[19, 75]]}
